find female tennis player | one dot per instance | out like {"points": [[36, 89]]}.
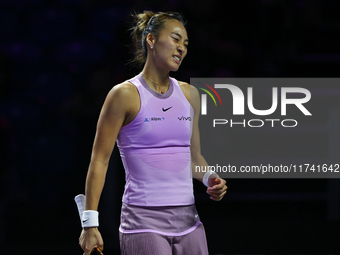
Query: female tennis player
{"points": [[154, 119]]}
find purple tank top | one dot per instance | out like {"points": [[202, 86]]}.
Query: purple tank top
{"points": [[155, 148]]}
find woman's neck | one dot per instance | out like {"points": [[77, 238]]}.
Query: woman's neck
{"points": [[158, 81]]}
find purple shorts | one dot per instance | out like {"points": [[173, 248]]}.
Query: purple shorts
{"points": [[164, 220], [149, 243]]}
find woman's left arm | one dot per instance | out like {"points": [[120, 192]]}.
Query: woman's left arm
{"points": [[216, 186]]}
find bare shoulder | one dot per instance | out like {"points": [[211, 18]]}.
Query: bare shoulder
{"points": [[123, 92], [188, 90], [184, 85], [121, 105], [122, 98]]}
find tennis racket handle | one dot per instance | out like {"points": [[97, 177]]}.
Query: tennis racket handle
{"points": [[80, 201]]}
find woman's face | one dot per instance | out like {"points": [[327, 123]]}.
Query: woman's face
{"points": [[170, 47]]}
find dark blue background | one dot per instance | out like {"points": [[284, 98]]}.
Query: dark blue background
{"points": [[59, 59]]}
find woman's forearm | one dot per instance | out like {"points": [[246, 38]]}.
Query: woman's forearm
{"points": [[199, 162], [94, 184]]}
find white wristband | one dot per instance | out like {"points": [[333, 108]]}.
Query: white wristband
{"points": [[80, 201], [90, 219], [207, 175]]}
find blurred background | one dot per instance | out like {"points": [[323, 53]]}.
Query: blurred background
{"points": [[59, 59]]}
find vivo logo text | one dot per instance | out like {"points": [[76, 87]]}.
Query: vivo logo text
{"points": [[184, 118]]}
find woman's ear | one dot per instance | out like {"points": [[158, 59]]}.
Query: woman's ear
{"points": [[150, 39]]}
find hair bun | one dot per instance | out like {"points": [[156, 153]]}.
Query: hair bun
{"points": [[142, 19]]}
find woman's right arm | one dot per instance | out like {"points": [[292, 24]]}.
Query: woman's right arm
{"points": [[117, 108]]}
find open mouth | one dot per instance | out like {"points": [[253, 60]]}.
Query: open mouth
{"points": [[177, 59]]}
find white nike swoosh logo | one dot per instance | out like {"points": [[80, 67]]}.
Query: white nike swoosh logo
{"points": [[196, 215]]}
